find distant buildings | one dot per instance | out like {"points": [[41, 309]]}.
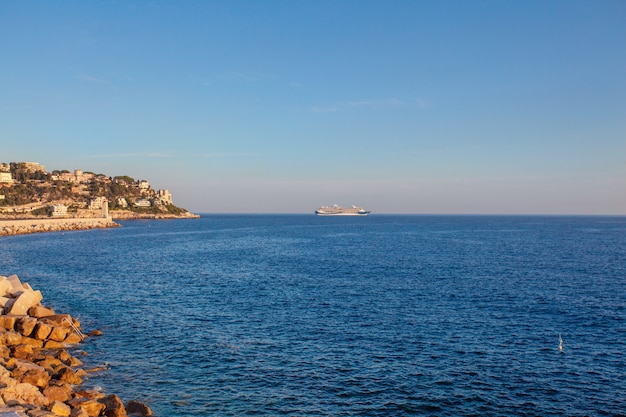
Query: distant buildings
{"points": [[6, 178]]}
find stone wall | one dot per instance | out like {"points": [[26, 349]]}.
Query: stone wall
{"points": [[18, 227]]}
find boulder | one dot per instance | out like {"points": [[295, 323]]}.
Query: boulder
{"points": [[36, 377], [139, 409], [67, 374], [58, 334], [91, 408], [8, 321], [39, 311], [5, 286], [24, 393], [24, 301], [58, 391], [78, 412], [60, 409], [72, 338], [25, 325], [41, 331], [22, 352], [114, 406]]}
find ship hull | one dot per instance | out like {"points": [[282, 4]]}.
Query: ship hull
{"points": [[340, 211]]}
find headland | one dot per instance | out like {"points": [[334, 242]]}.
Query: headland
{"points": [[33, 200]]}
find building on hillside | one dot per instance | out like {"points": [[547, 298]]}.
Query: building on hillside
{"points": [[143, 185], [6, 178], [164, 196], [97, 203], [78, 176], [142, 202], [4, 167], [57, 210], [121, 202], [33, 166]]}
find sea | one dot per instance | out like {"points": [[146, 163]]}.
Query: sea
{"points": [[384, 315]]}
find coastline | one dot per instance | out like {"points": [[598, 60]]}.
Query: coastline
{"points": [[38, 375], [22, 226], [38, 225]]}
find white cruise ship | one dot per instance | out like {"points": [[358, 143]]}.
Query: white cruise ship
{"points": [[336, 210]]}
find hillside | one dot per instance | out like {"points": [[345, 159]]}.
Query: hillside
{"points": [[27, 190]]}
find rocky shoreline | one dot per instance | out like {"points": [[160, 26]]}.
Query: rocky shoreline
{"points": [[21, 226], [27, 226], [38, 375]]}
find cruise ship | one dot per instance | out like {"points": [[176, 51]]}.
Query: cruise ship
{"points": [[336, 210]]}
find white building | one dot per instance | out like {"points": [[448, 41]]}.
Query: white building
{"points": [[142, 202], [97, 203], [57, 210], [6, 178]]}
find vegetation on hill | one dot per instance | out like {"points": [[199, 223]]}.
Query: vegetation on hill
{"points": [[39, 188]]}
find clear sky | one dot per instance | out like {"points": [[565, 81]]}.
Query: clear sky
{"points": [[281, 106]]}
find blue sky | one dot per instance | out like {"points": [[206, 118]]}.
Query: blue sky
{"points": [[281, 106]]}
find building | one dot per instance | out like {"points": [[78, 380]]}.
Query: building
{"points": [[6, 178], [97, 203], [121, 202], [142, 202], [33, 166], [164, 196], [57, 210]]}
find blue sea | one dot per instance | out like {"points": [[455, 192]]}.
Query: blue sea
{"points": [[298, 315]]}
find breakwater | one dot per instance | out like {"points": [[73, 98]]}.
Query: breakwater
{"points": [[38, 375], [26, 226]]}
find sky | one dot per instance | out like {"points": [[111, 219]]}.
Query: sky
{"points": [[416, 107]]}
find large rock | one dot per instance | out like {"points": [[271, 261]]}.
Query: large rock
{"points": [[36, 377], [58, 334], [5, 286], [24, 393], [114, 406], [41, 331], [58, 391], [139, 409], [91, 408], [67, 374], [60, 409], [24, 301], [25, 325]]}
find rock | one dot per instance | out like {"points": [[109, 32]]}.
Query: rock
{"points": [[73, 338], [41, 331], [68, 375], [33, 342], [25, 325], [79, 412], [24, 393], [137, 408], [25, 300], [61, 392], [5, 286], [91, 408], [22, 351], [114, 406], [10, 338], [36, 377], [58, 333], [60, 409], [40, 312], [8, 321], [95, 332]]}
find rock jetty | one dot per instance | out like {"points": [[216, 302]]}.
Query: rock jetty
{"points": [[20, 227], [38, 375]]}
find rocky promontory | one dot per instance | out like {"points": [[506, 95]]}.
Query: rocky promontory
{"points": [[39, 377]]}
